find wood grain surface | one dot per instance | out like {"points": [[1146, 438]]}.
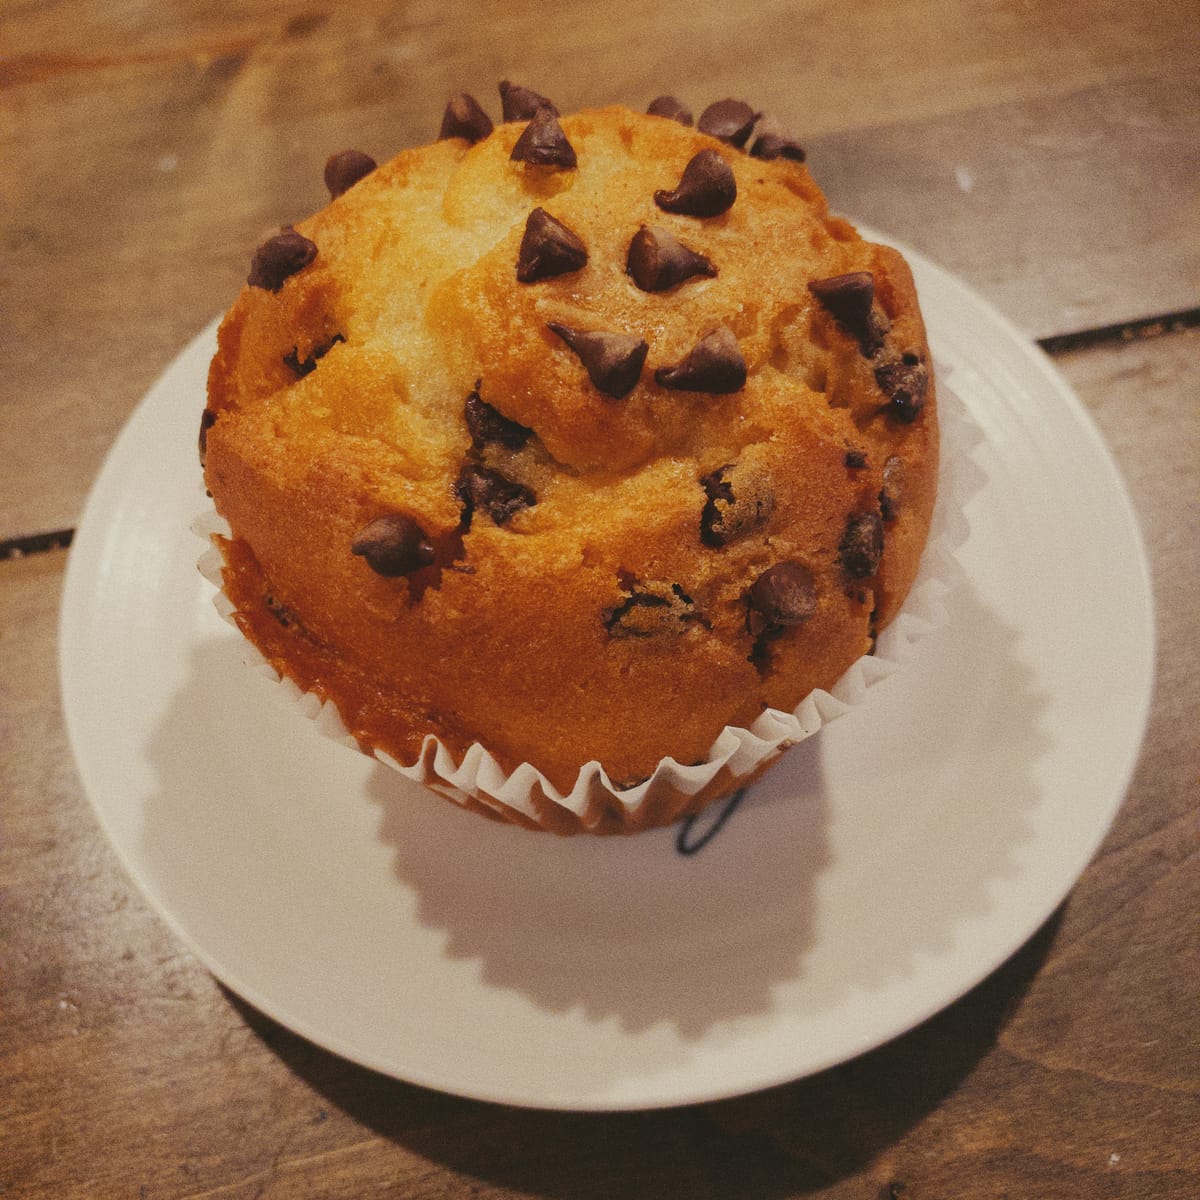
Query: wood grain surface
{"points": [[148, 148], [1047, 153]]}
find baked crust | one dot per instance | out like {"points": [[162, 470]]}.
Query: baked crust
{"points": [[611, 618]]}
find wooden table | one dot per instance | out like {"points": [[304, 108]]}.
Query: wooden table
{"points": [[1048, 153]]}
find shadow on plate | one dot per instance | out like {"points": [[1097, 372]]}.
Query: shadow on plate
{"points": [[624, 927], [629, 928], [639, 958]]}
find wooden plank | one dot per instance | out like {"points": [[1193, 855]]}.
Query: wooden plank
{"points": [[1067, 213], [144, 158], [940, 55]]}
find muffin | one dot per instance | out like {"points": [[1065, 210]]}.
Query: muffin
{"points": [[581, 438]]}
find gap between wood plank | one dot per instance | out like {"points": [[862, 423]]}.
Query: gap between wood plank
{"points": [[36, 543], [1123, 331]]}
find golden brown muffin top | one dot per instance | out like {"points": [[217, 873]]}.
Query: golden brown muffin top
{"points": [[603, 365]]}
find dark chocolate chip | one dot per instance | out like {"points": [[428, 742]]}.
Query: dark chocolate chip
{"points": [[208, 418], [521, 103], [344, 169], [706, 188], [905, 383], [729, 120], [280, 612], [777, 145], [305, 366], [672, 108], [856, 459], [713, 365], [785, 594], [646, 613], [733, 511], [848, 298], [548, 248], [543, 143], [861, 546], [279, 258], [485, 489], [658, 260], [393, 544], [774, 141], [488, 426], [891, 496], [613, 361], [465, 118], [297, 365]]}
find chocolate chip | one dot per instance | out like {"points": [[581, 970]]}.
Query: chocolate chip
{"points": [[650, 610], [891, 497], [706, 188], [729, 120], [488, 426], [485, 489], [613, 361], [671, 108], [739, 501], [905, 383], [713, 365], [279, 258], [543, 143], [393, 545], [847, 297], [280, 612], [297, 365], [521, 103], [785, 594], [777, 145], [861, 546], [548, 248], [856, 459], [464, 118], [304, 366], [208, 418], [345, 169], [657, 260]]}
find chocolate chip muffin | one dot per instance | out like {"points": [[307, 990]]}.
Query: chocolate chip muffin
{"points": [[580, 437]]}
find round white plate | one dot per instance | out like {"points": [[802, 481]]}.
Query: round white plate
{"points": [[881, 870]]}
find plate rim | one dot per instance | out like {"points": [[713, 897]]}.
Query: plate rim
{"points": [[80, 570]]}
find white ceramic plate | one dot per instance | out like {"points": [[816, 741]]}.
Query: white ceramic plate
{"points": [[880, 871]]}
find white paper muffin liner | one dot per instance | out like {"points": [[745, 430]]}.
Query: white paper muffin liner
{"points": [[526, 797]]}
